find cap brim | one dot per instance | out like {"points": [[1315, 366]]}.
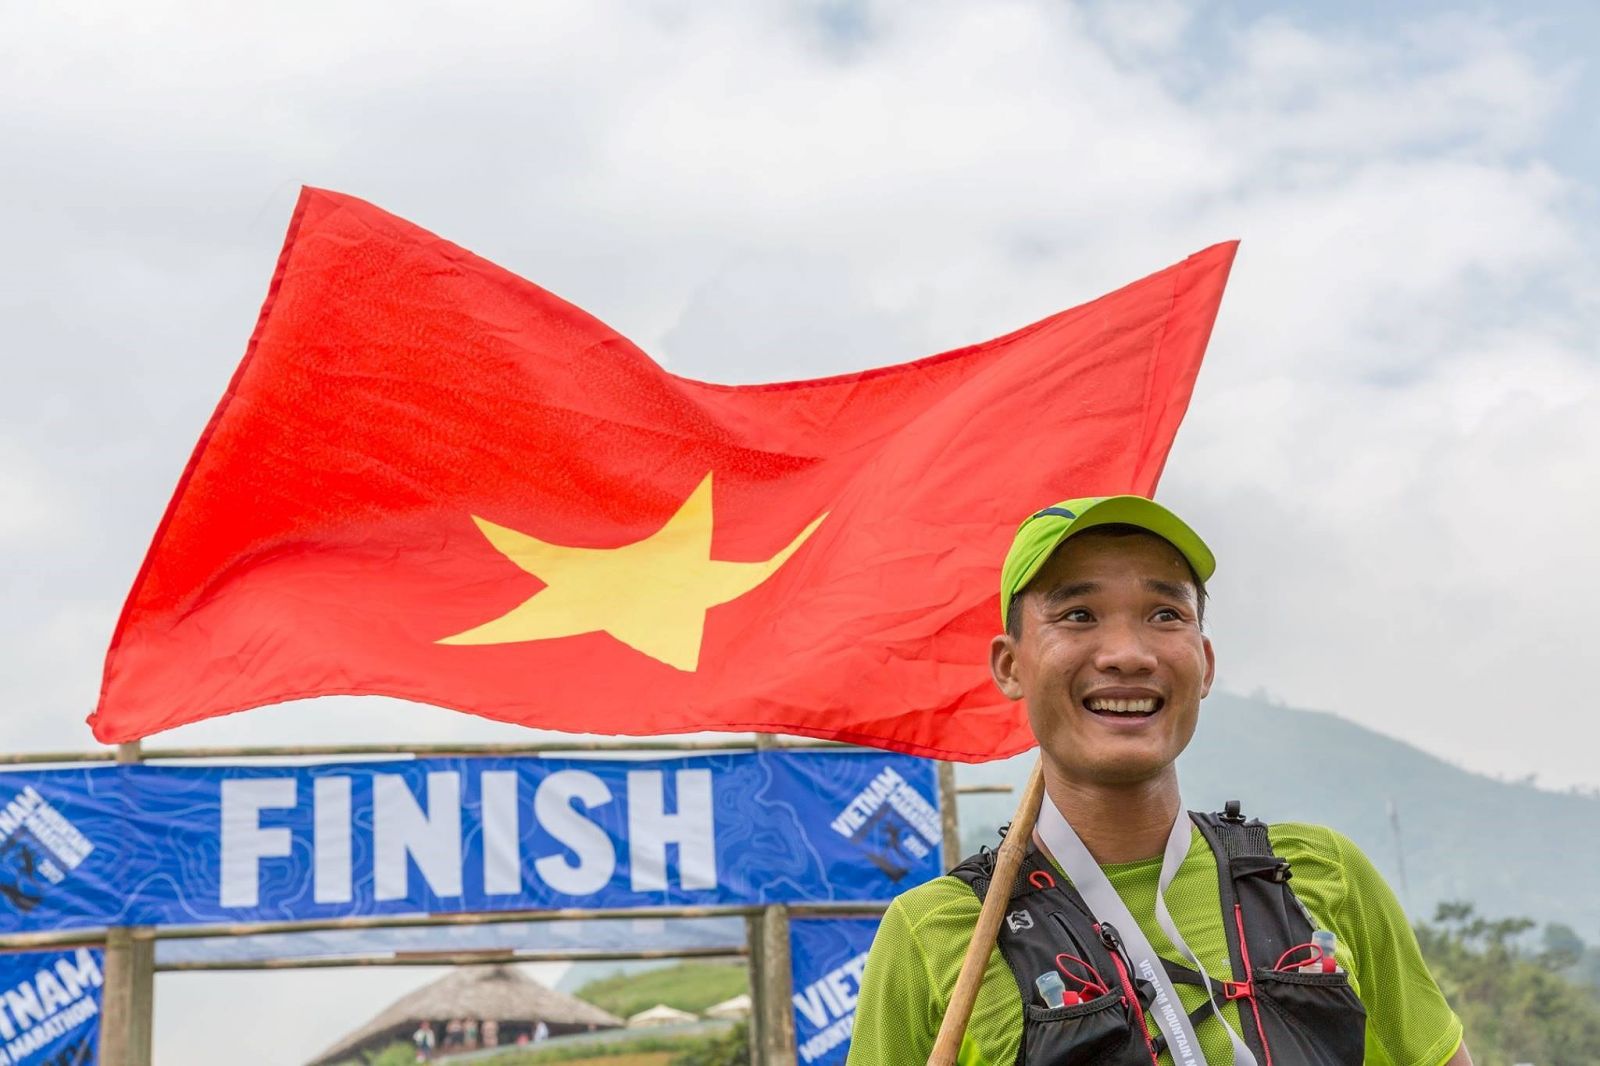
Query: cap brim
{"points": [[1131, 511]]}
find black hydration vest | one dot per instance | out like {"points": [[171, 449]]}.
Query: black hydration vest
{"points": [[1289, 1018]]}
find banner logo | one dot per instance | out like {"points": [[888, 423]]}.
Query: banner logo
{"points": [[892, 822], [50, 1007], [38, 848]]}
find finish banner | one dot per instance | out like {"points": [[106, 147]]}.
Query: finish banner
{"points": [[50, 1007], [826, 959], [160, 845]]}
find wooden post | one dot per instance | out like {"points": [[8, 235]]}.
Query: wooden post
{"points": [[949, 817], [127, 1007], [128, 998], [771, 985], [771, 982]]}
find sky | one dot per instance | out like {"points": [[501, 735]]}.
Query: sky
{"points": [[1391, 446]]}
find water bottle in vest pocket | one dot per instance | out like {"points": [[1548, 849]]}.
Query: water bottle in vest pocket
{"points": [[1319, 1020], [1079, 1033]]}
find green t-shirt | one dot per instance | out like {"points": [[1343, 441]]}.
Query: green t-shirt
{"points": [[919, 947]]}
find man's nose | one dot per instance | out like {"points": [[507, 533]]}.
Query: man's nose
{"points": [[1123, 649]]}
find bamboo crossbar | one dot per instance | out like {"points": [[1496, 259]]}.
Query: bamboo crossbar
{"points": [[297, 751], [76, 937], [449, 958]]}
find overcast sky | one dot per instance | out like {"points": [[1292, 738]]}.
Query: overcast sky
{"points": [[1392, 446]]}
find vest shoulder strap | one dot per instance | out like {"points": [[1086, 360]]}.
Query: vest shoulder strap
{"points": [[1242, 846], [1260, 916]]}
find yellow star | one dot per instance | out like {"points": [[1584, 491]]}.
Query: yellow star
{"points": [[652, 595]]}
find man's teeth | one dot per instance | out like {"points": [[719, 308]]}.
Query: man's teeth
{"points": [[1145, 706]]}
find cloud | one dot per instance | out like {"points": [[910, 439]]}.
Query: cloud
{"points": [[756, 192], [199, 1014], [774, 192], [28, 509], [1390, 447]]}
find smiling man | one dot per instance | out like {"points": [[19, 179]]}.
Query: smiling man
{"points": [[1137, 932]]}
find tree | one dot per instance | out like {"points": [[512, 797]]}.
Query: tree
{"points": [[730, 1049], [1562, 947], [1515, 1003], [396, 1054]]}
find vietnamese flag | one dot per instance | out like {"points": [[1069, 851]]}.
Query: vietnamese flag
{"points": [[431, 479]]}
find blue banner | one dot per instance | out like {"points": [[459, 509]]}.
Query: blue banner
{"points": [[826, 958], [50, 1007], [159, 845]]}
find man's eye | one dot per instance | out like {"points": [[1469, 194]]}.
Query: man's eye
{"points": [[1078, 614], [1167, 614]]}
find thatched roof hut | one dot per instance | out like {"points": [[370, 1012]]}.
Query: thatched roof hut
{"points": [[515, 1003]]}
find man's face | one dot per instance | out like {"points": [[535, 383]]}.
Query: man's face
{"points": [[1109, 658]]}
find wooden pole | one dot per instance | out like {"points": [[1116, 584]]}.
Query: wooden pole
{"points": [[1007, 861], [771, 982], [77, 938], [128, 1001], [318, 751], [450, 958], [949, 817], [128, 997]]}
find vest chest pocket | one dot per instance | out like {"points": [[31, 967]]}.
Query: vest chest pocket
{"points": [[1319, 1019], [1079, 1035]]}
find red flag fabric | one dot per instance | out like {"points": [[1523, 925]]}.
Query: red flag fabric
{"points": [[431, 479]]}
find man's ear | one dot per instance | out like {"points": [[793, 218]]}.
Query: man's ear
{"points": [[1211, 667], [1003, 666]]}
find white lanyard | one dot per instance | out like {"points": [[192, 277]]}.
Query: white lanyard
{"points": [[1092, 884]]}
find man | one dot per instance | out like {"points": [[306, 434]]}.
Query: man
{"points": [[1103, 601], [423, 1039]]}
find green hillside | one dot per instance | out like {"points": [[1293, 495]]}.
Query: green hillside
{"points": [[1509, 848], [690, 986]]}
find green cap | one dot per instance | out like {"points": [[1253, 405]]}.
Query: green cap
{"points": [[1042, 532]]}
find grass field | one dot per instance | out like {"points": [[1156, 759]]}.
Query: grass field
{"points": [[690, 986], [629, 1058], [656, 1055], [644, 1050]]}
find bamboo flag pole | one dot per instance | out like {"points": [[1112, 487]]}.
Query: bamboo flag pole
{"points": [[1007, 861]]}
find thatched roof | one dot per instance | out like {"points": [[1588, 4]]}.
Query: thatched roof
{"points": [[501, 992]]}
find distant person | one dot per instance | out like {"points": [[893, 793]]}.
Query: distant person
{"points": [[1122, 944], [452, 1034], [541, 1032], [469, 1033], [423, 1040], [491, 1033]]}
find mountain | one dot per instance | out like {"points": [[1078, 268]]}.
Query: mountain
{"points": [[1511, 849]]}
